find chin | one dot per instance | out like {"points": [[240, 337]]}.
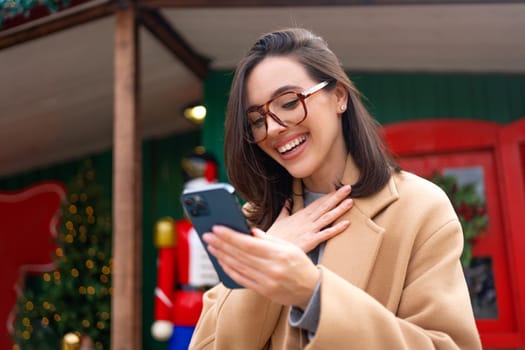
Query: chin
{"points": [[299, 172]]}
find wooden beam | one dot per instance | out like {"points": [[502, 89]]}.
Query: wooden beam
{"points": [[14, 36], [305, 3], [161, 28], [126, 308]]}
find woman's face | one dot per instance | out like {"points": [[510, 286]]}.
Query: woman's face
{"points": [[314, 150]]}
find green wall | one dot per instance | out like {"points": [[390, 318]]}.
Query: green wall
{"points": [[396, 97], [392, 97]]}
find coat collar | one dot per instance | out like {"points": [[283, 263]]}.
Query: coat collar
{"points": [[352, 253]]}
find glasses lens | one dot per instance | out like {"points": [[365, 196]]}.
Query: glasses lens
{"points": [[288, 108], [257, 126]]}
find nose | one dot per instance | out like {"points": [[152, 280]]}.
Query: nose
{"points": [[273, 127]]}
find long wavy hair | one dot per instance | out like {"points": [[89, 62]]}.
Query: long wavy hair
{"points": [[256, 176]]}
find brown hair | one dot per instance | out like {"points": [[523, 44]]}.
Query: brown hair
{"points": [[256, 176]]}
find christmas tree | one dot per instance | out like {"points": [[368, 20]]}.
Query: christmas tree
{"points": [[76, 296]]}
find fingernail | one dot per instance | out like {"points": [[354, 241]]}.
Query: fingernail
{"points": [[348, 202], [217, 229]]}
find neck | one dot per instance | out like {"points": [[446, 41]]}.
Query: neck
{"points": [[342, 170]]}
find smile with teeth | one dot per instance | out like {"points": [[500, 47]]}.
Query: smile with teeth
{"points": [[291, 145]]}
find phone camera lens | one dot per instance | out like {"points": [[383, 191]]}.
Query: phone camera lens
{"points": [[201, 206]]}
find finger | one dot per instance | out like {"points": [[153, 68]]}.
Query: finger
{"points": [[239, 272], [332, 215], [232, 256], [257, 232], [329, 201], [234, 243], [331, 231]]}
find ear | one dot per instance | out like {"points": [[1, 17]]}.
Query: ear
{"points": [[341, 98]]}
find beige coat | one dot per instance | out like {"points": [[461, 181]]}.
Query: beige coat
{"points": [[392, 280]]}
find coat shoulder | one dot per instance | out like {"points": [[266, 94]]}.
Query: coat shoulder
{"points": [[421, 193]]}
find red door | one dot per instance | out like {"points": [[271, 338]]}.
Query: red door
{"points": [[469, 150]]}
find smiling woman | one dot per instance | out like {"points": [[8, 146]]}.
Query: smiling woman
{"points": [[357, 254]]}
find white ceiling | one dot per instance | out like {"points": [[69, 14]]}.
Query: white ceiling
{"points": [[56, 93]]}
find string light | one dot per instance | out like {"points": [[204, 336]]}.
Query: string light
{"points": [[74, 198], [29, 306], [72, 209]]}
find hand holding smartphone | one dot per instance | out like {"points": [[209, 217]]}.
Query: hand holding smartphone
{"points": [[215, 204]]}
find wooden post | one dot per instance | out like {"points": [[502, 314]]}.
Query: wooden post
{"points": [[126, 325]]}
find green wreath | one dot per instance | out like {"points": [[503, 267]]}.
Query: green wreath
{"points": [[470, 208]]}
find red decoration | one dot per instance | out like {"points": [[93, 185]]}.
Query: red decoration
{"points": [[27, 230]]}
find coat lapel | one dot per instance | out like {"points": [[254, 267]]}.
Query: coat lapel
{"points": [[352, 253]]}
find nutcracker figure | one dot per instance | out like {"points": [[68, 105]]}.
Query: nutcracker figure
{"points": [[184, 270]]}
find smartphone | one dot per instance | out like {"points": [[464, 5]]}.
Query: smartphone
{"points": [[214, 204]]}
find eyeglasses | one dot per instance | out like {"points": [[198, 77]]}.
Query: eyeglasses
{"points": [[286, 109]]}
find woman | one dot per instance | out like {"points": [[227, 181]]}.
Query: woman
{"points": [[378, 271]]}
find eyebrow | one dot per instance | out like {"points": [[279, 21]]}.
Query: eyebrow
{"points": [[282, 89]]}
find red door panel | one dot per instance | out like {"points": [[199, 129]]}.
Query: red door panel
{"points": [[512, 162]]}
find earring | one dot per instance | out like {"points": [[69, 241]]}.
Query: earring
{"points": [[343, 107]]}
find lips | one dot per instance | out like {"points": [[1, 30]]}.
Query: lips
{"points": [[289, 146]]}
